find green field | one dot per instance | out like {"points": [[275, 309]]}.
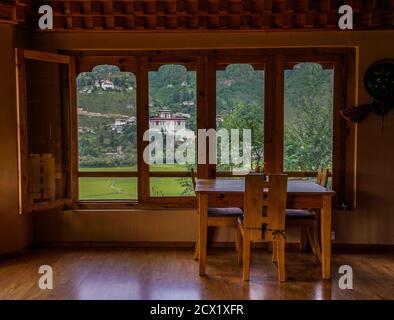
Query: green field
{"points": [[126, 188], [153, 167]]}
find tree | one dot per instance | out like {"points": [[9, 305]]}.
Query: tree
{"points": [[308, 139], [248, 117], [309, 117]]}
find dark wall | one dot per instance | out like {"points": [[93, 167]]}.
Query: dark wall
{"points": [[15, 229]]}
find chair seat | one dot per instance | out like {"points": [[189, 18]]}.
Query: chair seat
{"points": [[299, 214], [223, 212]]}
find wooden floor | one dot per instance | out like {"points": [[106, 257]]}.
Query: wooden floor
{"points": [[173, 274]]}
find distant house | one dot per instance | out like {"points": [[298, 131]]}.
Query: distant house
{"points": [[181, 115], [118, 153], [188, 103], [227, 82], [219, 120], [166, 121], [104, 84], [120, 124], [107, 84], [87, 89]]}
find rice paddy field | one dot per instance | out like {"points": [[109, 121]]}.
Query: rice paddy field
{"points": [[127, 188]]}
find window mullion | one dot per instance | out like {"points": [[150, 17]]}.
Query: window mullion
{"points": [[206, 107], [274, 113], [142, 126]]}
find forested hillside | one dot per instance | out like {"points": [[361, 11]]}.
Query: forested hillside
{"points": [[107, 101]]}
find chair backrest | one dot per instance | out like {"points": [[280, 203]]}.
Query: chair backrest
{"points": [[265, 210], [192, 173], [322, 177]]}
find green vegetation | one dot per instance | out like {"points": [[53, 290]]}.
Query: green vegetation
{"points": [[308, 118], [126, 188], [108, 188]]}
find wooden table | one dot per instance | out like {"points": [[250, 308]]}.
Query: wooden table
{"points": [[300, 194]]}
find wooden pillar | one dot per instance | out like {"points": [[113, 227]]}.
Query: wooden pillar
{"points": [[274, 113], [142, 126], [339, 128], [73, 134], [206, 108]]}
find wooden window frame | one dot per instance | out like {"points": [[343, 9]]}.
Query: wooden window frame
{"points": [[154, 64], [21, 56], [258, 62], [342, 130], [128, 64], [206, 63]]}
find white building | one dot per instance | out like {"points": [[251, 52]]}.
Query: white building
{"points": [[167, 122], [119, 124], [107, 84]]}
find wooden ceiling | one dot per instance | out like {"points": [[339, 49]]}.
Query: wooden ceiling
{"points": [[15, 11], [199, 15]]}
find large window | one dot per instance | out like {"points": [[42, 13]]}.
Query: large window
{"points": [[172, 122], [138, 117], [107, 135], [240, 108]]}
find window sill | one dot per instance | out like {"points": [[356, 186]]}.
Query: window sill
{"points": [[151, 204]]}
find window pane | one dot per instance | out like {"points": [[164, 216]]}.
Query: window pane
{"points": [[106, 118], [240, 105], [107, 134], [108, 188], [171, 187], [308, 117], [172, 124], [47, 131]]}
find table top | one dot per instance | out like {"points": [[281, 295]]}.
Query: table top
{"points": [[237, 186]]}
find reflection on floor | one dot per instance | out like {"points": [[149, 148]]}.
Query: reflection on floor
{"points": [[173, 274]]}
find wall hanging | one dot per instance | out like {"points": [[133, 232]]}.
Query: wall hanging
{"points": [[379, 83]]}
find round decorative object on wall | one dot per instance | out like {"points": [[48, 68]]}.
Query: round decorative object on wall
{"points": [[379, 83], [379, 80]]}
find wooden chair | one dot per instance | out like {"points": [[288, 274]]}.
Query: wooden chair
{"points": [[308, 220], [263, 219], [218, 217]]}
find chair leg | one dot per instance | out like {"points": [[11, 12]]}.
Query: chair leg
{"points": [[246, 256], [210, 232], [311, 241], [236, 240], [316, 241], [313, 237], [197, 249], [280, 245], [239, 240], [303, 240], [274, 251]]}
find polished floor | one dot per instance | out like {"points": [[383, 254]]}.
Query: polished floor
{"points": [[173, 274]]}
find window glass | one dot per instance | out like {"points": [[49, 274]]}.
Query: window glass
{"points": [[172, 122], [107, 135], [240, 106], [308, 117]]}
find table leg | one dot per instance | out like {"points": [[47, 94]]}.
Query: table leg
{"points": [[326, 214], [203, 211]]}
